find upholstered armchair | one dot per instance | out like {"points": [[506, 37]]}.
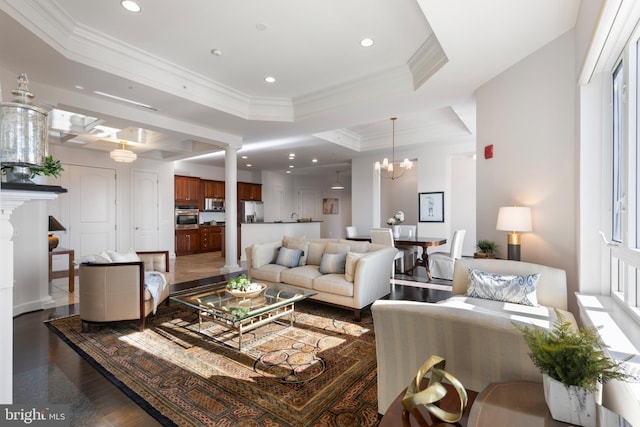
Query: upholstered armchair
{"points": [[113, 290]]}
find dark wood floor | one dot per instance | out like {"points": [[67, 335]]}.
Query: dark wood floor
{"points": [[47, 370]]}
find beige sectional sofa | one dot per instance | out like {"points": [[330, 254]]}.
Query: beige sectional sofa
{"points": [[341, 272], [475, 336]]}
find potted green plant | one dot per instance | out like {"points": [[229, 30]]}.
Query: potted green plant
{"points": [[486, 249], [573, 364], [51, 167], [241, 286]]}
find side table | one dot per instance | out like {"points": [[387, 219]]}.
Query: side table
{"points": [[71, 272], [420, 417], [500, 404]]}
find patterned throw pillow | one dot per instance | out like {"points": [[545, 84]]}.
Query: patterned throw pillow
{"points": [[333, 263], [503, 287], [288, 257]]}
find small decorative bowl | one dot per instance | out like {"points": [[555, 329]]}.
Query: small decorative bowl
{"points": [[248, 294]]}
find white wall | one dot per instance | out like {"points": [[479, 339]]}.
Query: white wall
{"points": [[436, 171], [124, 188], [30, 245], [528, 114], [463, 191]]}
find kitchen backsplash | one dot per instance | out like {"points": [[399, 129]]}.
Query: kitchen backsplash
{"points": [[211, 216]]}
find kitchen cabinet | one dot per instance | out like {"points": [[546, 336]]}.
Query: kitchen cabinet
{"points": [[212, 189], [187, 190], [210, 238], [187, 242], [248, 191]]}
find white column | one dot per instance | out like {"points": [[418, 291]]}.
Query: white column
{"points": [[9, 201], [231, 210]]}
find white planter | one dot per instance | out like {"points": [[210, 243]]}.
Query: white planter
{"points": [[396, 231], [572, 404]]}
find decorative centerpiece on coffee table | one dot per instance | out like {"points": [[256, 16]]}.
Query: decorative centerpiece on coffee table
{"points": [[242, 287]]}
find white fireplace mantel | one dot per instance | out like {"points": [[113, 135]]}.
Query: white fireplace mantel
{"points": [[11, 199]]}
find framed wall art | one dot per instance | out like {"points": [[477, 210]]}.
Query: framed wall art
{"points": [[431, 207], [330, 206]]}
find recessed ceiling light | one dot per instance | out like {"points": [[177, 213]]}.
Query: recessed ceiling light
{"points": [[292, 154], [314, 161], [130, 5], [288, 171], [249, 165], [244, 157], [216, 52], [79, 87], [367, 42], [291, 166], [270, 79]]}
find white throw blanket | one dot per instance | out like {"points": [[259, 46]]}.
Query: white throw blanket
{"points": [[154, 282]]}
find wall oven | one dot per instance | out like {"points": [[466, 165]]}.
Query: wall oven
{"points": [[186, 217]]}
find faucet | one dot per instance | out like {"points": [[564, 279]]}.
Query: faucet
{"points": [[294, 214]]}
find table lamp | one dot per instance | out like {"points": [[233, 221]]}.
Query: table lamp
{"points": [[514, 219], [54, 225]]}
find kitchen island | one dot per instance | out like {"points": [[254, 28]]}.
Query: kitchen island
{"points": [[260, 232]]}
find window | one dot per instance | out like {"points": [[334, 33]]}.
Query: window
{"points": [[617, 128]]}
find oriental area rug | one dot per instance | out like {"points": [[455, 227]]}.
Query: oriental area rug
{"points": [[320, 372]]}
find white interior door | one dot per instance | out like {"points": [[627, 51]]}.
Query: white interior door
{"points": [[92, 203], [145, 211]]}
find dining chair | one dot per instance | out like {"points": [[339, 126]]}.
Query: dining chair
{"points": [[384, 236], [411, 252], [441, 263], [351, 231]]}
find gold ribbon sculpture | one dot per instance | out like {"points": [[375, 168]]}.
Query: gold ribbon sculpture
{"points": [[435, 391]]}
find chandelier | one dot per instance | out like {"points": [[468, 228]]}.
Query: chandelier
{"points": [[122, 155], [392, 169]]}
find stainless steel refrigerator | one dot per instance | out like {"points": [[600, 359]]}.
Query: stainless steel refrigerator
{"points": [[251, 211]]}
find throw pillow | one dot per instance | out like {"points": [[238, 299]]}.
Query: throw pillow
{"points": [[129, 256], [333, 263], [350, 267], [503, 287], [288, 257], [264, 253], [337, 248], [303, 245], [316, 249]]}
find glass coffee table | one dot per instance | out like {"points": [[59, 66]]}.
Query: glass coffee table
{"points": [[241, 314]]}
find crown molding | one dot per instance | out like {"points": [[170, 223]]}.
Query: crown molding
{"points": [[80, 43], [427, 60]]}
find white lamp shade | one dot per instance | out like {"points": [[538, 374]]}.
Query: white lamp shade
{"points": [[514, 218]]}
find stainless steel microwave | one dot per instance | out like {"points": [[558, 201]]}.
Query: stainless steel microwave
{"points": [[215, 205], [186, 218]]}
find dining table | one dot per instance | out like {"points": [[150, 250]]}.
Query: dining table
{"points": [[423, 242]]}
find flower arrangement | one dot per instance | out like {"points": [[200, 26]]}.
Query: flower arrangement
{"points": [[397, 219]]}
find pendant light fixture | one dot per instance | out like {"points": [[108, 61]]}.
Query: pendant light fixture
{"points": [[123, 155], [392, 169], [337, 185]]}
